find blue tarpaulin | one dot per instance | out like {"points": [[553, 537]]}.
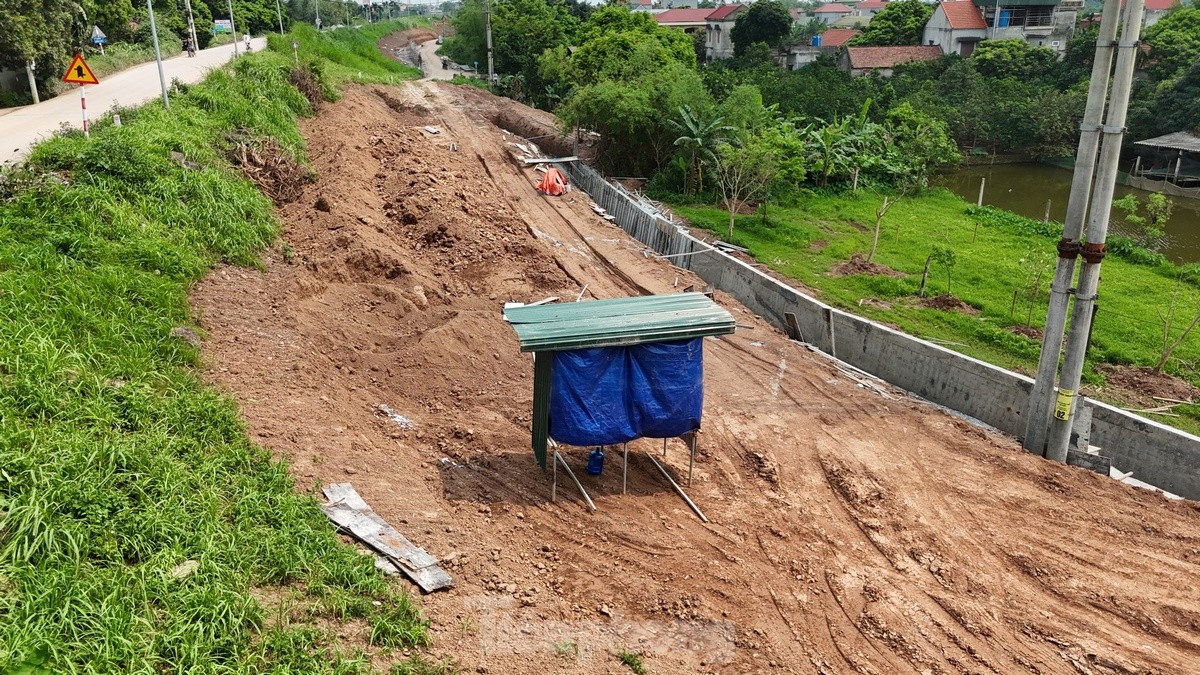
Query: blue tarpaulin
{"points": [[611, 395]]}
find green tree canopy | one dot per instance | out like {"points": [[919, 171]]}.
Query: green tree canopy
{"points": [[42, 32], [900, 22], [615, 43], [1012, 58], [1174, 42], [766, 21]]}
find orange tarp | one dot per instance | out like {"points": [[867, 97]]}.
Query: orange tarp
{"points": [[553, 183]]}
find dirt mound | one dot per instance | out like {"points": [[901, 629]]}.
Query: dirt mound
{"points": [[947, 303], [858, 264], [849, 533], [1148, 384], [1027, 331]]}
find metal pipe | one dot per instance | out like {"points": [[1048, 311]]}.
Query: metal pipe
{"points": [[567, 467], [1037, 414], [1097, 231], [678, 489]]}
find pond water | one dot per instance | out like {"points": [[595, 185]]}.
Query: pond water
{"points": [[1024, 189]]}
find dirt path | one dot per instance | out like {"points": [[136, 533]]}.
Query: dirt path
{"points": [[851, 532]]}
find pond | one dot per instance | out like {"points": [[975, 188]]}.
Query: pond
{"points": [[1024, 189]]}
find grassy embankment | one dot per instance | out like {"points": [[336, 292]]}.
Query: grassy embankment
{"points": [[141, 531], [805, 241]]}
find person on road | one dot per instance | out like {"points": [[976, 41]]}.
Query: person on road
{"points": [[246, 41], [189, 47]]}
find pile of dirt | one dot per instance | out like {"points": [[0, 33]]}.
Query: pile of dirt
{"points": [[948, 303], [858, 264], [849, 532], [1147, 384], [1027, 331]]}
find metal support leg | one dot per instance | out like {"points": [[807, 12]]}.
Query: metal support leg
{"points": [[692, 459], [677, 488], [567, 468], [625, 470]]}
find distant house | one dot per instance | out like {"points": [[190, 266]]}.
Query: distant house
{"points": [[851, 21], [831, 12], [641, 5], [720, 22], [828, 42], [1155, 10], [715, 23], [1041, 23], [956, 26], [883, 60], [869, 8]]}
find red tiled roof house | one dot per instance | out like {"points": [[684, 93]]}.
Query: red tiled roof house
{"points": [[716, 24], [883, 60], [831, 12], [956, 27]]}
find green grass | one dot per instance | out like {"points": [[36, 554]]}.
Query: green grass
{"points": [[350, 54], [633, 660], [806, 240], [118, 465]]}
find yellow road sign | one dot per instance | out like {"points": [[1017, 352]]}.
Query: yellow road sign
{"points": [[79, 73]]}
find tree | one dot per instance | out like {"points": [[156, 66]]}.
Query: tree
{"points": [[1149, 230], [699, 137], [1016, 58], [615, 43], [920, 144], [39, 37], [880, 212], [942, 255], [743, 174], [469, 42], [900, 22], [1174, 42], [766, 21], [1168, 347]]}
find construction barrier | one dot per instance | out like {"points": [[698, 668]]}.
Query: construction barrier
{"points": [[1155, 453]]}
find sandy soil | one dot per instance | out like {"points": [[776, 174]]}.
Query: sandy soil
{"points": [[852, 531]]}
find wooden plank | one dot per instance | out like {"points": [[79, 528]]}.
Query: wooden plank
{"points": [[349, 512], [550, 160], [793, 326]]}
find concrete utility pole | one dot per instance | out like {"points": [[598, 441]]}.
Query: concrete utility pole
{"points": [[279, 15], [191, 28], [1097, 231], [233, 28], [162, 79], [1037, 416], [317, 8], [491, 67]]}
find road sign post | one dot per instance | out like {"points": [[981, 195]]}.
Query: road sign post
{"points": [[79, 73]]}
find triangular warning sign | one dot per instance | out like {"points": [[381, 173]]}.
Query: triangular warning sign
{"points": [[79, 73]]}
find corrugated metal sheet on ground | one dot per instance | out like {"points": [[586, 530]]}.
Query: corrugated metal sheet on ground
{"points": [[622, 321]]}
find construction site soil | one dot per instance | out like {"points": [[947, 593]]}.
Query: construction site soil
{"points": [[853, 529]]}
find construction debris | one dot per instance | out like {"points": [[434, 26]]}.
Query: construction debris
{"points": [[353, 516]]}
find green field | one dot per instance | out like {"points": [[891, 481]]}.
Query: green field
{"points": [[1005, 255], [141, 531]]}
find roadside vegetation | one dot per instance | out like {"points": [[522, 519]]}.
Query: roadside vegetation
{"points": [[141, 531]]}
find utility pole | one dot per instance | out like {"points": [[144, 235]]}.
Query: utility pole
{"points": [[1097, 231], [279, 15], [491, 67], [232, 27], [162, 79], [1037, 415], [317, 7], [191, 27]]}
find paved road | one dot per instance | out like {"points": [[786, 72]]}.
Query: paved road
{"points": [[21, 128], [431, 63]]}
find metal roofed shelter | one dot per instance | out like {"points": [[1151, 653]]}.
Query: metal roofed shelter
{"points": [[1172, 166], [609, 371]]}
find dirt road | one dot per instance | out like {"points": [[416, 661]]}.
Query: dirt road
{"points": [[851, 532]]}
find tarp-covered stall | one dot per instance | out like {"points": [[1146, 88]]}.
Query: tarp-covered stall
{"points": [[610, 371]]}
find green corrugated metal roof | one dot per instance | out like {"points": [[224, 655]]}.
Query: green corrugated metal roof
{"points": [[623, 321]]}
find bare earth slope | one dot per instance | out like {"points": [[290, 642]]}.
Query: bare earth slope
{"points": [[851, 532]]}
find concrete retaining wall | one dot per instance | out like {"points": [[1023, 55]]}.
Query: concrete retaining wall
{"points": [[1156, 453]]}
